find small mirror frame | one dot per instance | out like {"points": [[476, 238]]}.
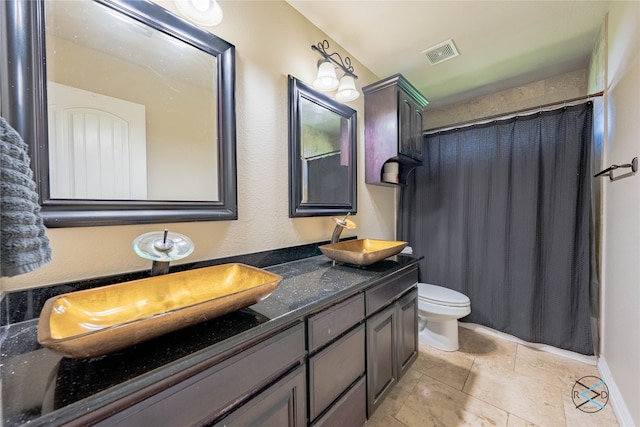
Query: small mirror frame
{"points": [[297, 208], [24, 106]]}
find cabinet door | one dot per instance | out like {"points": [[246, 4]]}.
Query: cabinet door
{"points": [[410, 127], [407, 331], [417, 132], [381, 356], [406, 128], [281, 405]]}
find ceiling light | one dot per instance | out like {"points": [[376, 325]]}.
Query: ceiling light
{"points": [[326, 78], [202, 12]]}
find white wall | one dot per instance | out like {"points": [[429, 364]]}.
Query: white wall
{"points": [[620, 345], [272, 40]]}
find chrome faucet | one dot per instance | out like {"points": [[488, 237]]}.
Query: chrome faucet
{"points": [[164, 246], [341, 224]]}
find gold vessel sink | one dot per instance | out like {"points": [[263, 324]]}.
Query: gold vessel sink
{"points": [[97, 321], [362, 251]]}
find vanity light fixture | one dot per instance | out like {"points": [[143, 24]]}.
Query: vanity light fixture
{"points": [[326, 79], [347, 89], [202, 12]]}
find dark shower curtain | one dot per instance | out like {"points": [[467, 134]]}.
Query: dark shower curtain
{"points": [[500, 212]]}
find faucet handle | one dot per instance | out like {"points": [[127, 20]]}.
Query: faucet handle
{"points": [[163, 244]]}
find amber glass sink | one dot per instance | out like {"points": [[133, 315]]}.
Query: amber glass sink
{"points": [[97, 321], [362, 251]]}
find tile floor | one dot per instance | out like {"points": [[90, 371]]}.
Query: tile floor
{"points": [[489, 381]]}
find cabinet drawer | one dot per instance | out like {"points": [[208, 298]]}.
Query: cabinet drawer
{"points": [[350, 410], [214, 391], [332, 322], [384, 293], [334, 369]]}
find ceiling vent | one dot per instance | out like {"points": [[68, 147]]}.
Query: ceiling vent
{"points": [[441, 52]]}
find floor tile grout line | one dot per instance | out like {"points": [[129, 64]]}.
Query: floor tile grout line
{"points": [[515, 358], [468, 374], [488, 403], [461, 391], [404, 401], [508, 411], [492, 404]]}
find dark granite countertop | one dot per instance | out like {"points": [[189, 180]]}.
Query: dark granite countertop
{"points": [[41, 387]]}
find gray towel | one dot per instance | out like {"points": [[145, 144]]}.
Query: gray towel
{"points": [[24, 246]]}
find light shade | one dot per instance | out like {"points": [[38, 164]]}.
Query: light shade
{"points": [[347, 90], [326, 79], [202, 12]]}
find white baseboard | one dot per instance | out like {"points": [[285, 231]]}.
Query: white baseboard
{"points": [[615, 397]]}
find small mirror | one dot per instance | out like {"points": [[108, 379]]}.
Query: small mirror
{"points": [[322, 153]]}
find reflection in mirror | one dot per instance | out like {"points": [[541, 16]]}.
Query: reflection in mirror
{"points": [[130, 111], [322, 153], [145, 130]]}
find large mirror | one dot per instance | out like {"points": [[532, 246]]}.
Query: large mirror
{"points": [[322, 153], [129, 112]]}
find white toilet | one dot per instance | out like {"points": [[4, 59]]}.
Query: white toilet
{"points": [[438, 312]]}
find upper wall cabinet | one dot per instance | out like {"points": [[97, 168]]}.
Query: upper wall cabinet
{"points": [[393, 112]]}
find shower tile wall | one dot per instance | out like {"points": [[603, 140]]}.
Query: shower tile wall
{"points": [[554, 89]]}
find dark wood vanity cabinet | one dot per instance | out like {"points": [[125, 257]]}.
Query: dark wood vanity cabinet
{"points": [[393, 115], [332, 367], [205, 397], [392, 334]]}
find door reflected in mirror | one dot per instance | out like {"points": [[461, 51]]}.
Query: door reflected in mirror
{"points": [[322, 153], [132, 110]]}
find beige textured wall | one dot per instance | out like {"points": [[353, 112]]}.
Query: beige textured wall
{"points": [[272, 41], [554, 89]]}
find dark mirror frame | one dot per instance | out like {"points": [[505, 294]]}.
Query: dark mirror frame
{"points": [[297, 208], [24, 106]]}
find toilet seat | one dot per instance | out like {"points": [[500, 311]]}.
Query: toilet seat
{"points": [[442, 296]]}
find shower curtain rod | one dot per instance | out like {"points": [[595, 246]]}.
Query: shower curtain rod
{"points": [[509, 114]]}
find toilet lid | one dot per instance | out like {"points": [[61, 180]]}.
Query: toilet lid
{"points": [[442, 296]]}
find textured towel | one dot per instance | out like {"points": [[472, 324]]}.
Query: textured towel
{"points": [[24, 246]]}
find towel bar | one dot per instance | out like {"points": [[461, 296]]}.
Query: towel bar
{"points": [[609, 171]]}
